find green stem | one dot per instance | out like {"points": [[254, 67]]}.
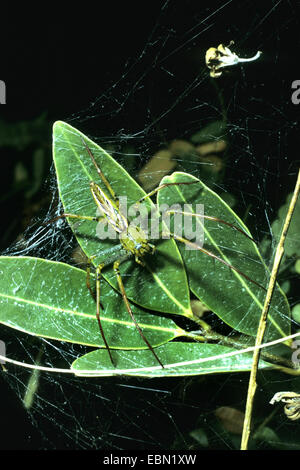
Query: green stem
{"points": [[211, 336], [263, 320]]}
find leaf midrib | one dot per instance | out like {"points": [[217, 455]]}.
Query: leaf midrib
{"points": [[85, 315]]}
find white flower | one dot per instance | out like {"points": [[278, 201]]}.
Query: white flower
{"points": [[216, 59]]}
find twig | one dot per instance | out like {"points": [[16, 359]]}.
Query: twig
{"points": [[263, 320]]}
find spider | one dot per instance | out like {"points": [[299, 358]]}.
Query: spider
{"points": [[133, 242]]}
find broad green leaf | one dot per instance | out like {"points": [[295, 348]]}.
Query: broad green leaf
{"points": [[162, 284], [50, 299], [179, 359], [292, 241], [236, 300], [209, 133]]}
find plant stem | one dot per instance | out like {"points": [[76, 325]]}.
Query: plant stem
{"points": [[241, 343], [263, 320]]}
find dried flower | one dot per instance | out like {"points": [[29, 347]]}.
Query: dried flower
{"points": [[217, 58], [292, 403]]}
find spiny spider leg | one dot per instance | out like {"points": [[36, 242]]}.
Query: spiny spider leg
{"points": [[88, 278], [215, 219], [98, 278], [165, 185], [99, 171], [74, 216], [128, 307], [212, 255]]}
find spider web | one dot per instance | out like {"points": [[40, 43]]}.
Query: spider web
{"points": [[162, 98]]}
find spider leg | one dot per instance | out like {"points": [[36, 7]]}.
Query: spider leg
{"points": [[125, 299], [212, 255], [99, 171], [139, 261], [209, 217], [74, 216], [162, 186], [98, 278], [88, 277]]}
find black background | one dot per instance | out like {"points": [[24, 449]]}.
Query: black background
{"points": [[57, 62]]}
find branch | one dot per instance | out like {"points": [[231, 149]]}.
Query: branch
{"points": [[263, 320]]}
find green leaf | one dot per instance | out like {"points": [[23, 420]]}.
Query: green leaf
{"points": [[267, 434], [296, 313], [50, 299], [211, 132], [236, 300], [292, 242], [162, 285], [179, 359], [200, 436]]}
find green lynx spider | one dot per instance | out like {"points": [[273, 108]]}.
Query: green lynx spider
{"points": [[133, 241]]}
